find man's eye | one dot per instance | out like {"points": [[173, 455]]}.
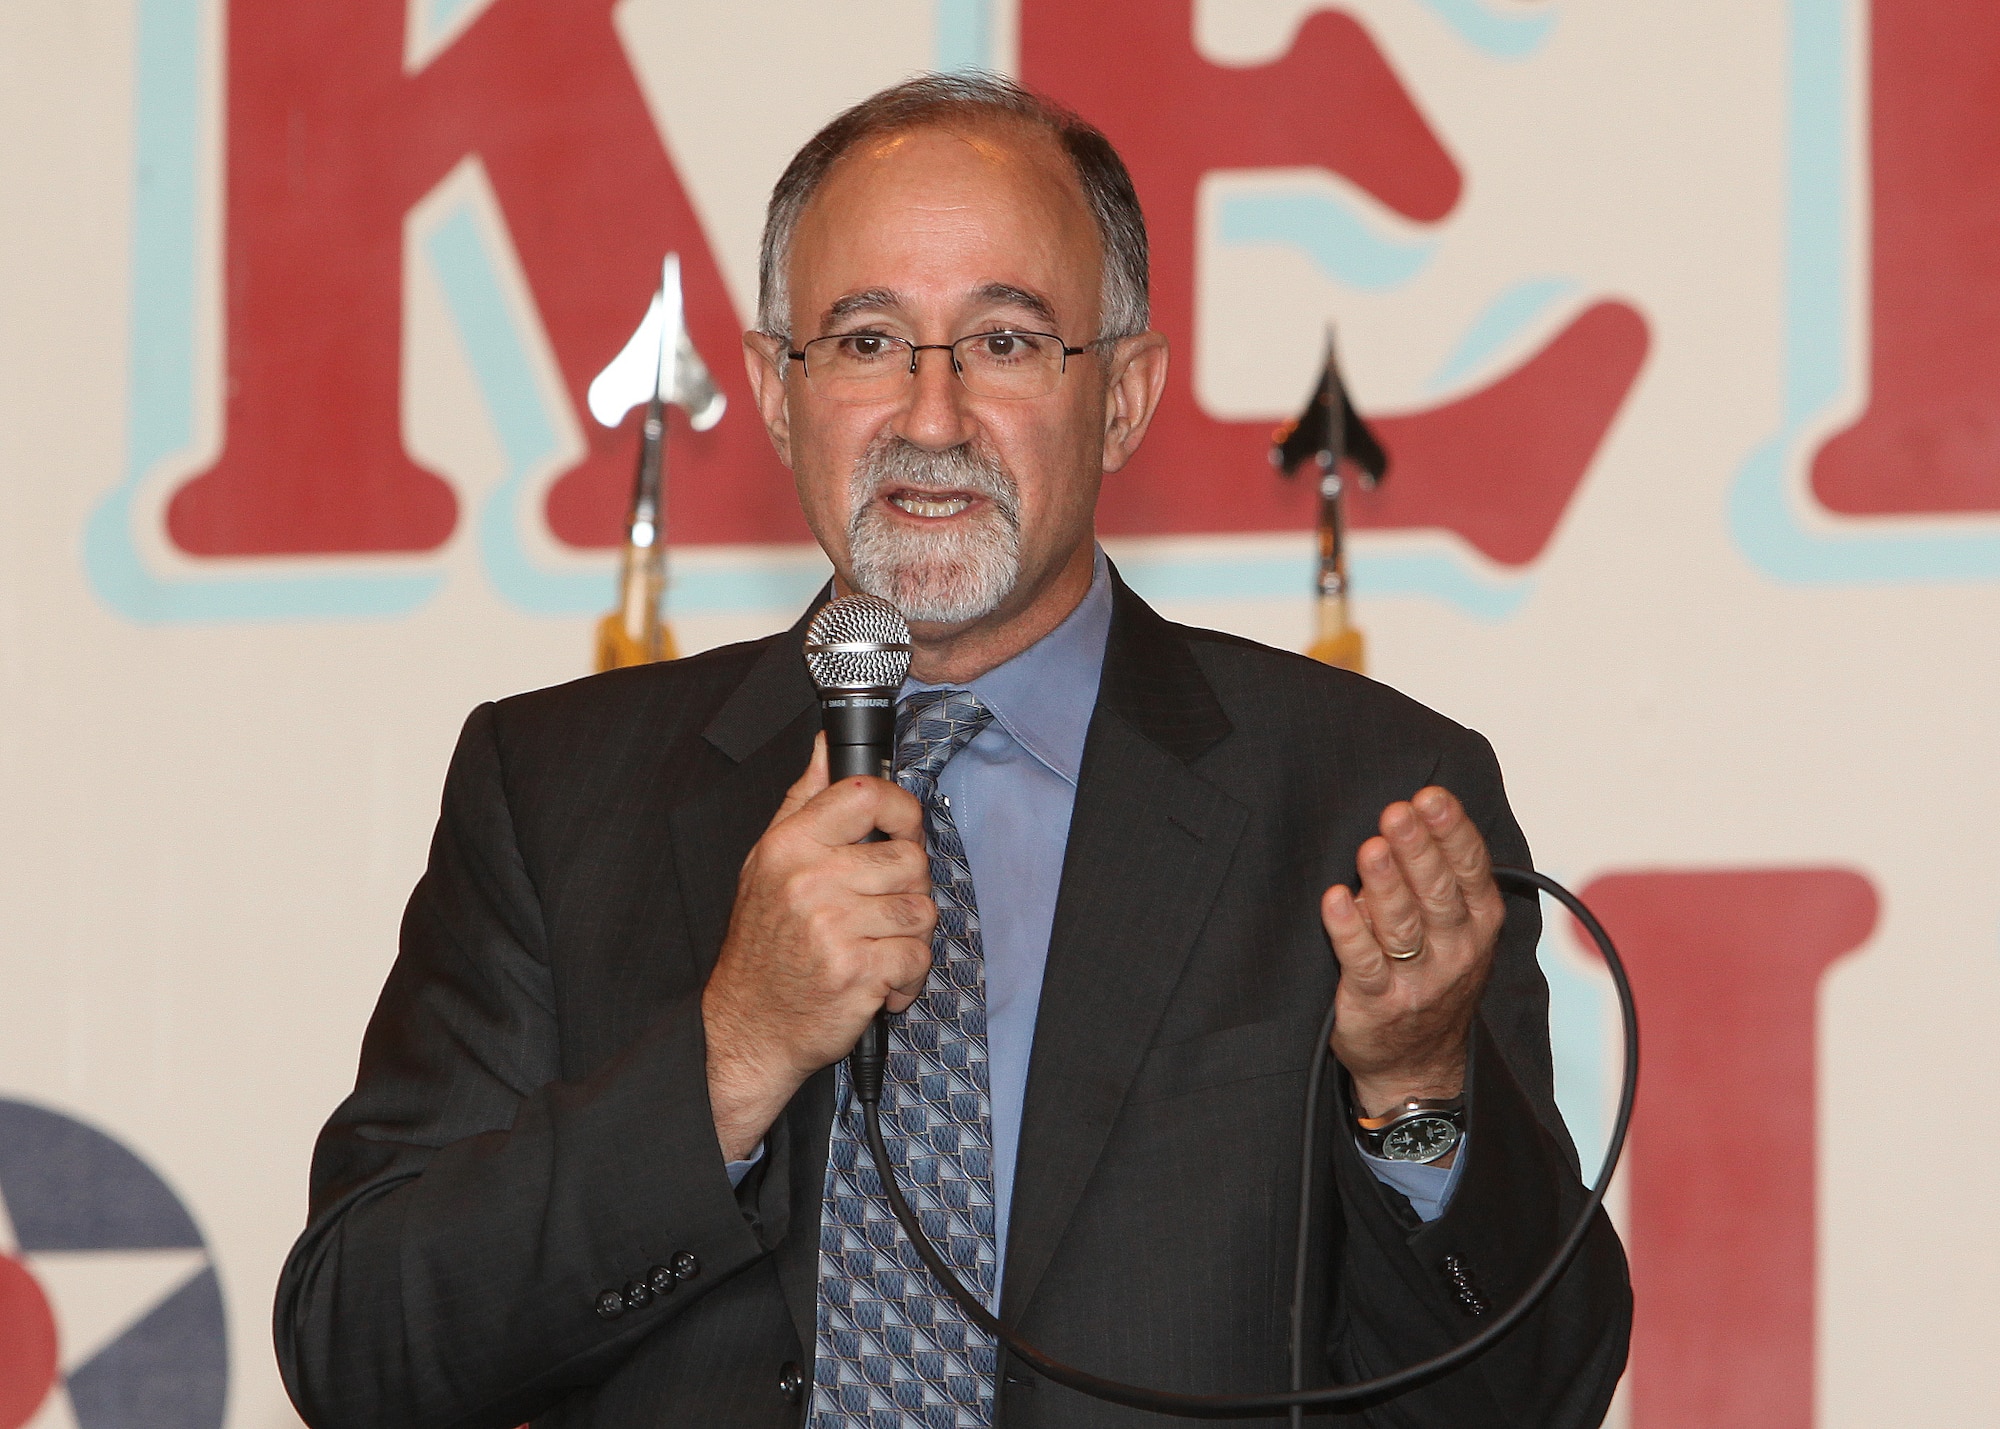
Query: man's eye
{"points": [[1006, 346], [865, 347]]}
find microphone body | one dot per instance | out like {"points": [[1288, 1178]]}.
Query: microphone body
{"points": [[860, 730], [858, 650]]}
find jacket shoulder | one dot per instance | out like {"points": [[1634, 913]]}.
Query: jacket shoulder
{"points": [[664, 701], [575, 766], [1268, 690]]}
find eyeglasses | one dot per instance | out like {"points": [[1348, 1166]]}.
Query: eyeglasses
{"points": [[873, 366]]}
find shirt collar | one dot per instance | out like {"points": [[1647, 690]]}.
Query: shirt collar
{"points": [[1044, 696]]}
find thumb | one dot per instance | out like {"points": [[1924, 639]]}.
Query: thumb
{"points": [[807, 786]]}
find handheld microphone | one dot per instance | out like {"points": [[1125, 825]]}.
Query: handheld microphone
{"points": [[858, 651]]}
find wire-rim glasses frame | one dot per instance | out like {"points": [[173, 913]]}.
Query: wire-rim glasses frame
{"points": [[851, 372]]}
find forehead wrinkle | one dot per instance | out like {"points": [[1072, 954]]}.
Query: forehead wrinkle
{"points": [[878, 300]]}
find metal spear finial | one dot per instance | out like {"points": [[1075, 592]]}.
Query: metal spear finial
{"points": [[657, 366]]}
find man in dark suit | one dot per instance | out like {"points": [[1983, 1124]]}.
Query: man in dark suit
{"points": [[600, 1165]]}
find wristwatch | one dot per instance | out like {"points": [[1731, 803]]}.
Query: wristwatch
{"points": [[1421, 1130]]}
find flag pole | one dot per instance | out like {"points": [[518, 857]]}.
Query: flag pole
{"points": [[1331, 435], [660, 367], [636, 633], [1336, 639]]}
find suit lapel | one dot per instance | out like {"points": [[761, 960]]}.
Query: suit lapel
{"points": [[1149, 844], [715, 828], [765, 728]]}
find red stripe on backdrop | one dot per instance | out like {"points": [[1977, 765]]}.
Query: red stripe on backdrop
{"points": [[1501, 466], [1723, 1170], [1930, 438]]}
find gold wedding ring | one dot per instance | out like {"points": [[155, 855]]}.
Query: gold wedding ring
{"points": [[1403, 957]]}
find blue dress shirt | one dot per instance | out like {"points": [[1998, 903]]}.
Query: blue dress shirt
{"points": [[1011, 791]]}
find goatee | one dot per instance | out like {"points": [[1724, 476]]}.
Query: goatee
{"points": [[956, 572]]}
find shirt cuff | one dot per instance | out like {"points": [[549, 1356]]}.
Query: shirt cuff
{"points": [[1427, 1188], [739, 1169]]}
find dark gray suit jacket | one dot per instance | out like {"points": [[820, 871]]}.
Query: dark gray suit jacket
{"points": [[530, 1128]]}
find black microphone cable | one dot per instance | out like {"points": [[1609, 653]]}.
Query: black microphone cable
{"points": [[866, 1067]]}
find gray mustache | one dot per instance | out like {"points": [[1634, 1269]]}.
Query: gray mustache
{"points": [[896, 462]]}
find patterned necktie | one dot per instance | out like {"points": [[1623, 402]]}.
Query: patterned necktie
{"points": [[894, 1352]]}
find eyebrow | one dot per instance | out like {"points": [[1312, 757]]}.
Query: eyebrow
{"points": [[1010, 296], [876, 300], [867, 300]]}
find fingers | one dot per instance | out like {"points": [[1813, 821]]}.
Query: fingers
{"points": [[915, 957], [1362, 961], [895, 916], [897, 812], [1423, 880], [846, 812], [1392, 909], [1457, 838], [1419, 892], [872, 947], [1429, 874], [892, 866]]}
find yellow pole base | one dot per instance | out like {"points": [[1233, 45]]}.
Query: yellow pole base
{"points": [[616, 650], [1344, 650]]}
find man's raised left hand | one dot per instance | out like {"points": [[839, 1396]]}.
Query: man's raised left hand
{"points": [[1402, 1024]]}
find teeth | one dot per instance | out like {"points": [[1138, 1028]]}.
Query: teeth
{"points": [[950, 506]]}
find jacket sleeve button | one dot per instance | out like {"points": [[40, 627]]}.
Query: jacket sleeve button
{"points": [[686, 1266], [791, 1381], [662, 1280], [1458, 1271], [637, 1295], [610, 1305]]}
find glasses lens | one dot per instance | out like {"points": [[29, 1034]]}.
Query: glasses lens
{"points": [[857, 367], [1009, 364]]}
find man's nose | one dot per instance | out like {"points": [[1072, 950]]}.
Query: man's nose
{"points": [[937, 415]]}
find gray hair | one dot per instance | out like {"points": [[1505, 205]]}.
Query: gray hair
{"points": [[949, 99]]}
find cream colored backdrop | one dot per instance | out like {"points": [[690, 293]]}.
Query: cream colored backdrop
{"points": [[210, 813]]}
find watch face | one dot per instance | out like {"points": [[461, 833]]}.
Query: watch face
{"points": [[1423, 1138]]}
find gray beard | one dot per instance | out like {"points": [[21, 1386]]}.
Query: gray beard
{"points": [[949, 576]]}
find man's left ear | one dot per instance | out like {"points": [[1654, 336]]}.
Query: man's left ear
{"points": [[1136, 375]]}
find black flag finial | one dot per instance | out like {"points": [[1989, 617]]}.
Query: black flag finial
{"points": [[1329, 431], [1330, 435]]}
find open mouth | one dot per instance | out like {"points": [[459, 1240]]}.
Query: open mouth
{"points": [[929, 505]]}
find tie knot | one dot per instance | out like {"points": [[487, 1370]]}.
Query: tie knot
{"points": [[932, 726]]}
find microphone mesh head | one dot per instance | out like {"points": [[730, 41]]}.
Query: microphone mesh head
{"points": [[858, 643]]}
